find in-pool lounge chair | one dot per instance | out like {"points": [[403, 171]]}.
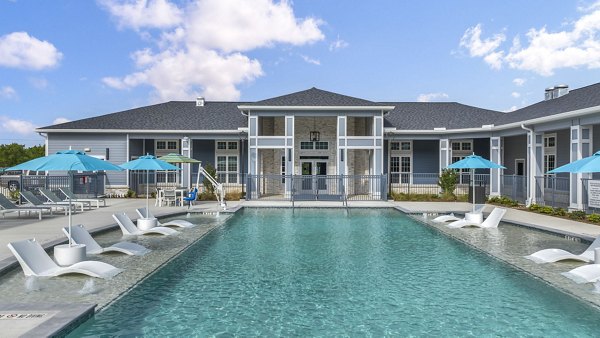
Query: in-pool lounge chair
{"points": [[31, 198], [36, 262], [7, 206], [53, 198], [446, 218], [129, 228], [555, 255], [491, 221], [589, 273], [145, 213], [71, 195], [81, 236]]}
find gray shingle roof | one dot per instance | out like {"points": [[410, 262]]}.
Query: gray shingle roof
{"points": [[173, 115], [429, 115], [314, 97], [579, 98]]}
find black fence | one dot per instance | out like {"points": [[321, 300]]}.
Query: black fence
{"points": [[514, 187], [427, 183], [316, 187], [552, 191], [83, 185], [232, 183]]}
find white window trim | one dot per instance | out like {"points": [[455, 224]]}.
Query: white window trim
{"points": [[226, 150], [400, 151], [227, 172], [166, 150], [314, 146], [461, 151]]}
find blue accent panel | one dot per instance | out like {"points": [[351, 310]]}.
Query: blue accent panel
{"points": [[386, 155], [481, 147], [243, 156], [426, 156], [149, 147], [204, 150]]}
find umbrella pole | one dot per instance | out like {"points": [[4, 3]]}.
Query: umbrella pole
{"points": [[473, 182], [70, 222], [147, 184]]}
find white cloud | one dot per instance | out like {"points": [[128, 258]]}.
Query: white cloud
{"points": [[138, 14], [577, 45], [204, 53], [519, 82], [8, 92], [20, 50], [21, 127], [432, 97], [511, 109], [338, 44], [310, 60], [60, 120], [515, 94]]}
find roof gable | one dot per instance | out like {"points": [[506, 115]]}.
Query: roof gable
{"points": [[314, 97]]}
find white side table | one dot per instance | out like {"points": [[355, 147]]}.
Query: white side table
{"points": [[66, 255], [146, 223], [476, 217]]}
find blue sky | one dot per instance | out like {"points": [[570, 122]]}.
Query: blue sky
{"points": [[67, 60]]}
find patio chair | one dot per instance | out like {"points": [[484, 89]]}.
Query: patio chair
{"points": [[72, 196], [170, 196], [7, 206], [555, 255], [35, 262], [446, 218], [55, 199], [191, 197], [129, 228], [145, 213], [491, 221], [159, 197], [31, 198], [80, 235]]}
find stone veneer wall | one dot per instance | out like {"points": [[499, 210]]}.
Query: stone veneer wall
{"points": [[327, 127]]}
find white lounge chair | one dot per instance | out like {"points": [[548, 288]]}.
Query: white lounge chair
{"points": [[446, 218], [491, 221], [555, 255], [72, 196], [31, 198], [589, 273], [36, 262], [7, 206], [145, 213], [52, 198], [129, 228], [81, 236]]}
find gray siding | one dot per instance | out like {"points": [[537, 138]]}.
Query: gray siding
{"points": [[481, 147], [243, 156], [426, 156], [563, 147], [136, 148], [386, 155], [515, 147], [98, 143]]}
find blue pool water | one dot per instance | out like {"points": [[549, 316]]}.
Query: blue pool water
{"points": [[275, 272]]}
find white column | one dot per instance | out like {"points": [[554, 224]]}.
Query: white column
{"points": [[580, 147], [342, 154], [289, 152], [445, 154], [535, 167], [495, 156]]}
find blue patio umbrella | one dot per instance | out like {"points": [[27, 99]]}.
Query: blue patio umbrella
{"points": [[589, 164], [474, 162], [66, 160], [148, 162]]}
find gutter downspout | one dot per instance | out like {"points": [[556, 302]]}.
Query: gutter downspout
{"points": [[530, 167], [45, 136]]}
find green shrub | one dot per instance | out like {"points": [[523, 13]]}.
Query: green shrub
{"points": [[14, 195], [233, 196], [414, 197], [534, 207], [546, 210], [503, 200], [130, 194], [447, 181], [559, 212], [577, 215], [207, 196], [594, 218], [208, 187]]}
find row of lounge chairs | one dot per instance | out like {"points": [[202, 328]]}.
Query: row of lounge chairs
{"points": [[36, 262], [584, 274]]}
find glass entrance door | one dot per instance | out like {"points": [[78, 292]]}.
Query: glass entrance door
{"points": [[307, 180]]}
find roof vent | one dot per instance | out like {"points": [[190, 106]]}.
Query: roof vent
{"points": [[548, 93], [199, 101]]}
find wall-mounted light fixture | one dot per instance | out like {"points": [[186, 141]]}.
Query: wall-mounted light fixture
{"points": [[87, 150], [315, 135]]}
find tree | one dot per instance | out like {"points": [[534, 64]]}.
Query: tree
{"points": [[447, 181], [13, 154], [207, 185]]}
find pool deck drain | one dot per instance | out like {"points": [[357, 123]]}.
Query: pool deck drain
{"points": [[42, 320]]}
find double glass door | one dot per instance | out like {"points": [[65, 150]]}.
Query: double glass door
{"points": [[314, 176]]}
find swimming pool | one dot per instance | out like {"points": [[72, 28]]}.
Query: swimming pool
{"points": [[276, 272]]}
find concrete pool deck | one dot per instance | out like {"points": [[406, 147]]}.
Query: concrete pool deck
{"points": [[48, 233]]}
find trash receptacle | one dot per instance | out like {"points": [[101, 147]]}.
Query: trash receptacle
{"points": [[480, 197]]}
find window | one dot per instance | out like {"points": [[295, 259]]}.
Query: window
{"points": [[405, 145], [455, 145], [283, 169], [549, 141], [549, 162], [465, 146], [161, 145], [405, 164], [395, 146], [232, 145], [227, 169], [221, 145], [462, 146], [172, 145], [321, 145], [549, 152], [307, 145], [394, 164]]}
